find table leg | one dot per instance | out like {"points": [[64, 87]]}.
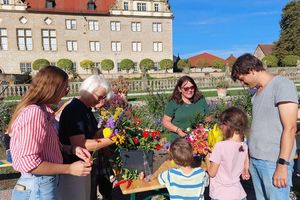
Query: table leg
{"points": [[132, 196]]}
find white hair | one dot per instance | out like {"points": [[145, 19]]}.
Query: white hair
{"points": [[94, 82]]}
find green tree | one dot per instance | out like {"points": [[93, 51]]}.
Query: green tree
{"points": [[219, 64], [40, 63], [126, 64], [87, 65], [146, 65], [270, 61], [166, 64], [290, 60], [289, 41], [202, 63], [184, 65], [107, 65], [66, 64]]}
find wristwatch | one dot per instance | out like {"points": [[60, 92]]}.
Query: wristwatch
{"points": [[282, 161]]}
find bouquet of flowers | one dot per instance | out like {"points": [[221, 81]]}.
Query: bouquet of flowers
{"points": [[198, 139]]}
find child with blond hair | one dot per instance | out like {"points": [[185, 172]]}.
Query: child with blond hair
{"points": [[184, 182]]}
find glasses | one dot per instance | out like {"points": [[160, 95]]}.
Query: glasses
{"points": [[100, 98], [188, 88]]}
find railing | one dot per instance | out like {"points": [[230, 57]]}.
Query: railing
{"points": [[139, 85]]}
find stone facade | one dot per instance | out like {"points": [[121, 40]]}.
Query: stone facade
{"points": [[90, 36]]}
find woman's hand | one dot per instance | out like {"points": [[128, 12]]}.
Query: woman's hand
{"points": [[83, 154], [245, 174], [80, 168], [181, 133]]}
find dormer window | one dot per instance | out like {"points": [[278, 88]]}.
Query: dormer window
{"points": [[50, 3], [125, 5], [91, 5]]}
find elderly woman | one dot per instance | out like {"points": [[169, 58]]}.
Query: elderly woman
{"points": [[78, 126]]}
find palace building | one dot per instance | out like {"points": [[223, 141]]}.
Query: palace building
{"points": [[83, 30]]}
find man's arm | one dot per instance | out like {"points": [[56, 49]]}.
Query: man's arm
{"points": [[288, 116]]}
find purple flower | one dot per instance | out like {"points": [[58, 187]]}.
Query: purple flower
{"points": [[110, 123]]}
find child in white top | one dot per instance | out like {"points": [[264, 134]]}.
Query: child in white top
{"points": [[229, 159], [184, 182]]}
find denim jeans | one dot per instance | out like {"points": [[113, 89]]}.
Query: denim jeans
{"points": [[298, 162], [262, 172], [35, 187]]}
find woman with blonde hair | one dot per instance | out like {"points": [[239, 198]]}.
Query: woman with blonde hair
{"points": [[35, 147]]}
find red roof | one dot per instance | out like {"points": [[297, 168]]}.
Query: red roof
{"points": [[69, 6], [204, 56], [231, 58], [266, 48]]}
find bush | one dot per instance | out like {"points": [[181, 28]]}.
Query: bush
{"points": [[65, 64], [5, 115], [183, 63], [107, 65], [222, 84], [166, 64], [87, 65], [146, 65], [219, 64], [290, 60], [126, 64], [40, 63], [270, 61]]}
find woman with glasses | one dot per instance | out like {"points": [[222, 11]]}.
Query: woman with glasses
{"points": [[78, 126], [185, 104], [35, 146]]}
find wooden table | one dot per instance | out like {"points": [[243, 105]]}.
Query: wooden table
{"points": [[4, 163], [143, 186]]}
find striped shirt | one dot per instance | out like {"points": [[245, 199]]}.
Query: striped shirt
{"points": [[184, 186], [34, 139]]}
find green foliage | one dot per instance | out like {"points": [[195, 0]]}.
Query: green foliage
{"points": [[146, 64], [166, 64], [127, 64], [219, 64], [40, 63], [5, 114], [202, 63], [270, 61], [65, 64], [183, 63], [87, 65], [222, 84], [107, 65], [290, 60], [289, 41]]}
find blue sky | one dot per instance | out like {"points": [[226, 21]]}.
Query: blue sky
{"points": [[224, 27]]}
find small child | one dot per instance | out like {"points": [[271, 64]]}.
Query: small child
{"points": [[229, 158], [184, 182]]}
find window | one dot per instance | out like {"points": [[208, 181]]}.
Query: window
{"points": [[115, 26], [91, 5], [116, 46], [3, 39], [93, 25], [71, 45], [141, 7], [156, 66], [94, 46], [119, 67], [6, 2], [156, 7], [25, 67], [53, 63], [136, 46], [49, 39], [136, 26], [157, 46], [71, 24], [50, 3], [24, 39], [156, 27], [98, 65], [74, 66], [125, 5]]}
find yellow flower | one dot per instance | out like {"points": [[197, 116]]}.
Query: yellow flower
{"points": [[107, 132]]}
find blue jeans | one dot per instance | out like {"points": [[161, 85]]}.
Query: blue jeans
{"points": [[35, 187], [262, 172], [298, 162]]}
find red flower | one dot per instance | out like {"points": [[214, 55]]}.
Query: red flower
{"points": [[135, 140], [158, 147], [138, 121], [155, 134], [146, 134]]}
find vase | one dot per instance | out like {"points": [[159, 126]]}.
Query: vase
{"points": [[140, 160]]}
